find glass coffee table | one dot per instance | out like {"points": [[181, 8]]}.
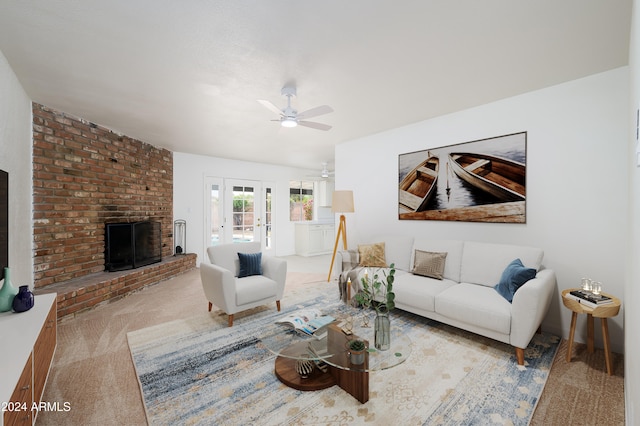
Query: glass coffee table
{"points": [[330, 358]]}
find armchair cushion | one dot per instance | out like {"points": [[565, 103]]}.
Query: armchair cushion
{"points": [[250, 264], [254, 289], [226, 255]]}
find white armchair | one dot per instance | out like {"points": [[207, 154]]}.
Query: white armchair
{"points": [[223, 288]]}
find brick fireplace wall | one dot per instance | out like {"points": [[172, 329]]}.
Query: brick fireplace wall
{"points": [[85, 175]]}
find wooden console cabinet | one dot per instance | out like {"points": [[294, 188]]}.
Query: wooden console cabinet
{"points": [[29, 343]]}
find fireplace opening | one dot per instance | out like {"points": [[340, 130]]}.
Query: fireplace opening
{"points": [[132, 245]]}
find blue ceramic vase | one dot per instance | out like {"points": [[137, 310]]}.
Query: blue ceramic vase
{"points": [[7, 292], [24, 299]]}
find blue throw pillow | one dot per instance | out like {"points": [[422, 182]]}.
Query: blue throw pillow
{"points": [[513, 277], [250, 264]]}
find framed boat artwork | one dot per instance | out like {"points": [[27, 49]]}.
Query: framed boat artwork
{"points": [[477, 181]]}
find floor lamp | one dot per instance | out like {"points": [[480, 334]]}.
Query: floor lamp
{"points": [[342, 202]]}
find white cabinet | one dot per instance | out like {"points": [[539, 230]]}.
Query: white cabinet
{"points": [[314, 239]]}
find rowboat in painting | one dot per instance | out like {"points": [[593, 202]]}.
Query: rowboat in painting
{"points": [[503, 178], [418, 186]]}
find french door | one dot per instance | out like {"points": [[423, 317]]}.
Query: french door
{"points": [[239, 211], [268, 203], [213, 212]]}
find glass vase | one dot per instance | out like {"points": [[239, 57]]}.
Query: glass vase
{"points": [[7, 292], [382, 330]]}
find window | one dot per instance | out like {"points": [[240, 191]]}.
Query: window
{"points": [[243, 218], [300, 200]]}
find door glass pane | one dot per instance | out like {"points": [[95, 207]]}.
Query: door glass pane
{"points": [[243, 214], [216, 237], [268, 238]]}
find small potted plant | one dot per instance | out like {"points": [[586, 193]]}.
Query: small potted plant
{"points": [[357, 350]]}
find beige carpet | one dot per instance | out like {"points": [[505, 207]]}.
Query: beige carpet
{"points": [[581, 392], [93, 370]]}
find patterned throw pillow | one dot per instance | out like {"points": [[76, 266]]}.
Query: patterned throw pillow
{"points": [[429, 264], [250, 264], [372, 255]]}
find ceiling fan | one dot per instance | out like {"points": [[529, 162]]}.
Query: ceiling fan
{"points": [[324, 173], [289, 117]]}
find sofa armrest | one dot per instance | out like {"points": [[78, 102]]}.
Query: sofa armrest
{"points": [[529, 307], [342, 257], [276, 269], [337, 263]]}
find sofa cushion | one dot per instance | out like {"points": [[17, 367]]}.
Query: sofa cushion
{"points": [[477, 305], [417, 291], [429, 264], [398, 250], [372, 255], [250, 264], [513, 277], [453, 248], [483, 263], [254, 288]]}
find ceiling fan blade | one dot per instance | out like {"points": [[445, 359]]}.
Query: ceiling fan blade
{"points": [[314, 125], [314, 112], [271, 106]]}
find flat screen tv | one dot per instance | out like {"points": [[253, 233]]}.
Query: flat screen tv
{"points": [[4, 222]]}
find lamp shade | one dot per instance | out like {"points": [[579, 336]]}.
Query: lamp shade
{"points": [[342, 202]]}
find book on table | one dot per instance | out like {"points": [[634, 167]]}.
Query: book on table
{"points": [[589, 299], [308, 321], [582, 301]]}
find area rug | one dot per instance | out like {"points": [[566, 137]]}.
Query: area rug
{"points": [[199, 371]]}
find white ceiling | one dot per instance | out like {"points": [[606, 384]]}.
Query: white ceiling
{"points": [[185, 75]]}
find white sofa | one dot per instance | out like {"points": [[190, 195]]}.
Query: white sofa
{"points": [[465, 297]]}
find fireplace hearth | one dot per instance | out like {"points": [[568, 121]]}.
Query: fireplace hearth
{"points": [[132, 245]]}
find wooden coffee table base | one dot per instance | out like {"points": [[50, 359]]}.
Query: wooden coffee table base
{"points": [[356, 383], [286, 373]]}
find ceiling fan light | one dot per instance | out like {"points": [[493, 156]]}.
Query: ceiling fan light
{"points": [[288, 122]]}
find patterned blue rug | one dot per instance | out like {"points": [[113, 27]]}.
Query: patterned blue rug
{"points": [[199, 371]]}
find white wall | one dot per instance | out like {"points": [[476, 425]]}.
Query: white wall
{"points": [[189, 172], [577, 184], [632, 292], [15, 158]]}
